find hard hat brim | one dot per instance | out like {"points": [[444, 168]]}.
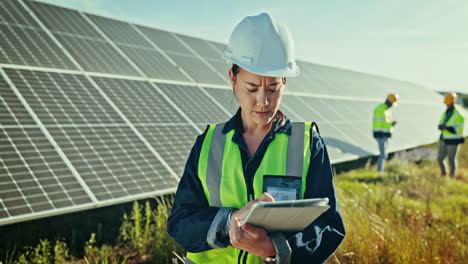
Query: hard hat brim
{"points": [[294, 71]]}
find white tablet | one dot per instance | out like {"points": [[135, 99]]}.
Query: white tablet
{"points": [[292, 215]]}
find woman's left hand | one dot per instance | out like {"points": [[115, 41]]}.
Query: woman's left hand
{"points": [[249, 238]]}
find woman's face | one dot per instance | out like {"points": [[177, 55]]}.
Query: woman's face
{"points": [[259, 96]]}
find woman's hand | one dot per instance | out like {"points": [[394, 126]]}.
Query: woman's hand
{"points": [[247, 237]]}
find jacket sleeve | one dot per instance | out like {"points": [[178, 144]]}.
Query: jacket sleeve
{"points": [[191, 216], [320, 239]]}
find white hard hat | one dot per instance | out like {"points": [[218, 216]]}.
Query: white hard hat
{"points": [[261, 46]]}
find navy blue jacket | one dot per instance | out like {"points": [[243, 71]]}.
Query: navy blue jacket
{"points": [[191, 216]]}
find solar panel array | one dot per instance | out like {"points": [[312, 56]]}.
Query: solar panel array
{"points": [[96, 111]]}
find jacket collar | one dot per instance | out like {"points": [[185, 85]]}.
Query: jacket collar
{"points": [[236, 123]]}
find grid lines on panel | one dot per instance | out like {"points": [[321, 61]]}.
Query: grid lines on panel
{"points": [[199, 71], [112, 161], [61, 19], [183, 57], [33, 177], [119, 32], [60, 99], [194, 104], [139, 101], [173, 143], [12, 12], [32, 47], [96, 55], [153, 63], [225, 97], [12, 112], [201, 47]]}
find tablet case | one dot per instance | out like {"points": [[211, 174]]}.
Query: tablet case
{"points": [[292, 216]]}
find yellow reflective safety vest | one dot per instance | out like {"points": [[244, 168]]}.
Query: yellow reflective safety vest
{"points": [[457, 121], [382, 121], [221, 173]]}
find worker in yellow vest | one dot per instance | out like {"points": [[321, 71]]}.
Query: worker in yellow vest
{"points": [[234, 165], [451, 126], [382, 126]]}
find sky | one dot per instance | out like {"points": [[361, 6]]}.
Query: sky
{"points": [[421, 41]]}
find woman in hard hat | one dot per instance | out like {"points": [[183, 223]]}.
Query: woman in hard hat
{"points": [[232, 164], [451, 126], [382, 127]]}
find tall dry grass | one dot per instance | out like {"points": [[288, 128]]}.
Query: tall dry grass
{"points": [[409, 214]]}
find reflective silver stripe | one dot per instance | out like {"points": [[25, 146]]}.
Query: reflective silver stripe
{"points": [[452, 136], [188, 261], [381, 130], [295, 155], [379, 119], [215, 165]]}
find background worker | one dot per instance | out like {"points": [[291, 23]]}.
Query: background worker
{"points": [[227, 167], [451, 126], [382, 127]]}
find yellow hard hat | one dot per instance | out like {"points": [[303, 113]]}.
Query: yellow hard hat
{"points": [[450, 98], [392, 98]]}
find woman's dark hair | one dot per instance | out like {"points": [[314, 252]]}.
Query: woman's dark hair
{"points": [[279, 115], [235, 69]]}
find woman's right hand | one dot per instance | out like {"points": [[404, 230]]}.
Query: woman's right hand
{"points": [[247, 237]]}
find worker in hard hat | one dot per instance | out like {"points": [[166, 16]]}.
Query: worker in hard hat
{"points": [[236, 164], [382, 126], [451, 126]]}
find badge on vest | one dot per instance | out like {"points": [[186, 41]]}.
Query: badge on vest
{"points": [[283, 188]]}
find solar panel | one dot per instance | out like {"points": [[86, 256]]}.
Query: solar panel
{"points": [[173, 142], [112, 161], [139, 101], [153, 63], [96, 55], [164, 40], [225, 97], [195, 104], [63, 99], [182, 56], [202, 47], [34, 178], [196, 69], [63, 20], [119, 32], [12, 113]]}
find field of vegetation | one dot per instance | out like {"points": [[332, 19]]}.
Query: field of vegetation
{"points": [[409, 214]]}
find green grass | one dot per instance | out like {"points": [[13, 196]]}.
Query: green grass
{"points": [[409, 214], [142, 239]]}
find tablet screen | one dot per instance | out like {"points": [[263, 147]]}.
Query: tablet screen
{"points": [[283, 188], [281, 194]]}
